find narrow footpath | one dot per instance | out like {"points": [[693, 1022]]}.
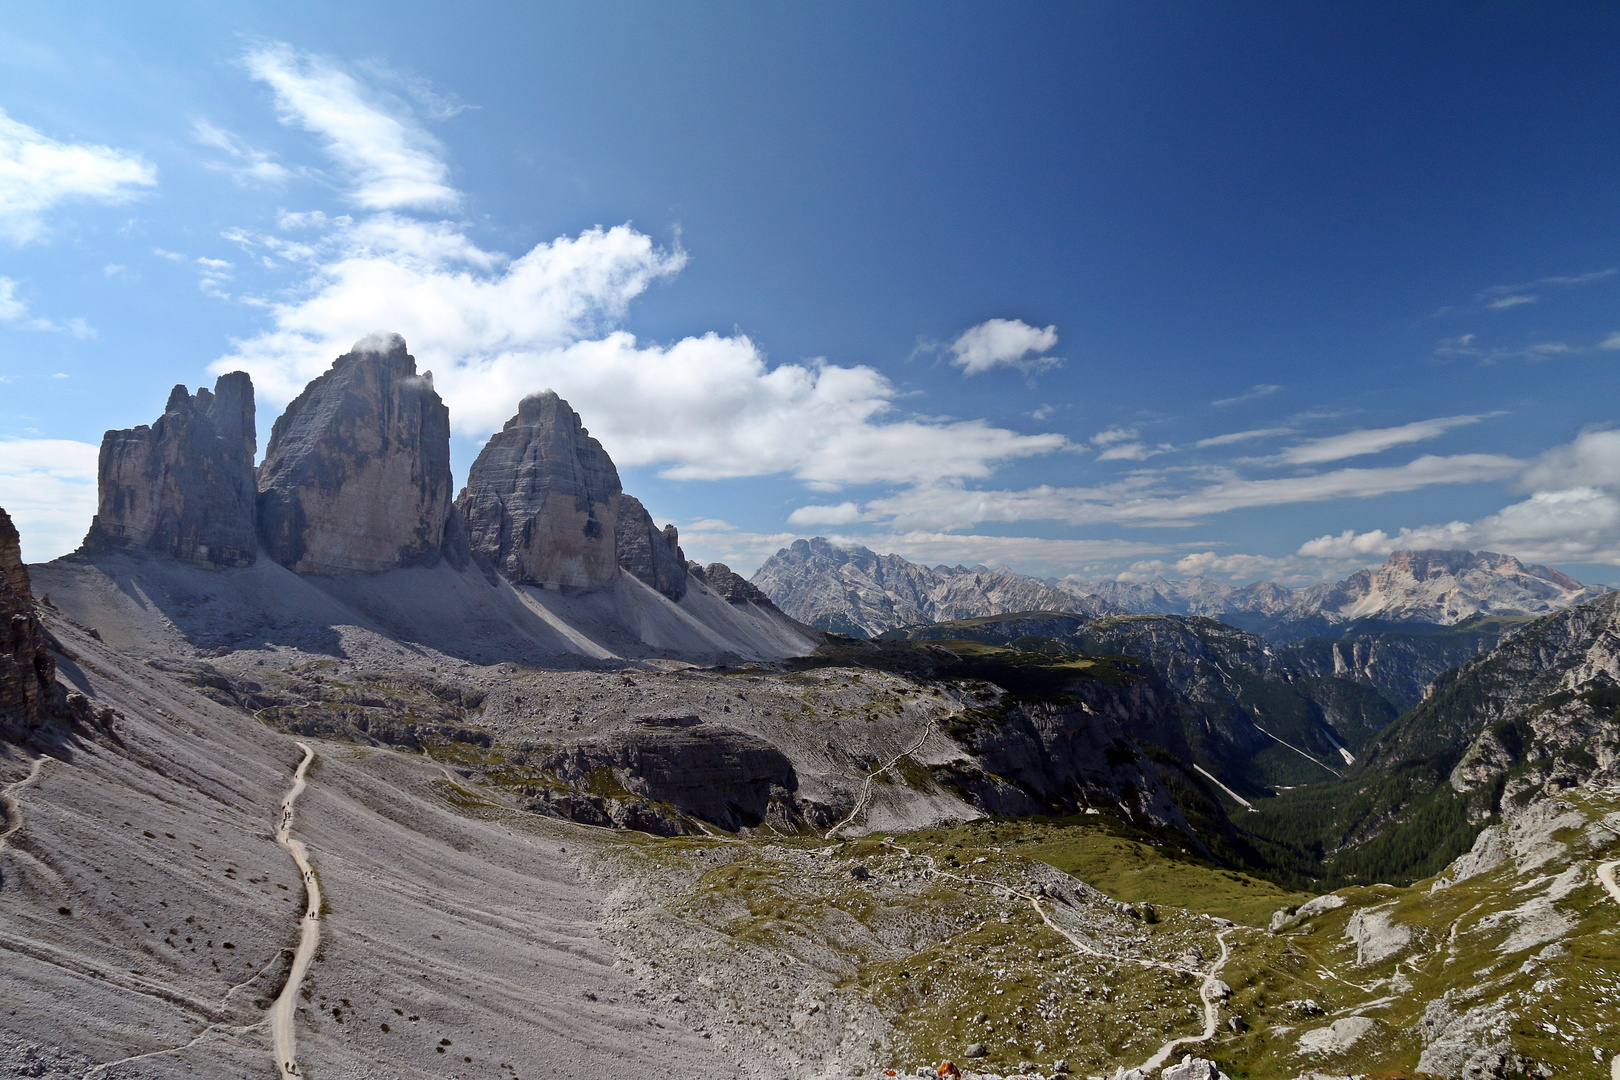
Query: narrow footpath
{"points": [[1210, 978], [282, 1012]]}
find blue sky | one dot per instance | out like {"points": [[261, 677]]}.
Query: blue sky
{"points": [[1247, 290]]}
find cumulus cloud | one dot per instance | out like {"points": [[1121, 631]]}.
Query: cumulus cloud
{"points": [[1004, 343], [389, 159], [48, 486], [37, 173], [493, 328], [1373, 440], [844, 513]]}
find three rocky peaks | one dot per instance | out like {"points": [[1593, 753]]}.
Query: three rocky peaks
{"points": [[356, 479]]}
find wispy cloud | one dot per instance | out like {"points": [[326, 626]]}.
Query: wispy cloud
{"points": [[14, 310], [37, 173], [1244, 436], [246, 164], [1259, 391], [1373, 440], [390, 160], [1146, 499], [1504, 297], [1004, 343]]}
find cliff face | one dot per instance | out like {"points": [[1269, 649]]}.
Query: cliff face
{"points": [[542, 501], [653, 556], [27, 670], [184, 486], [357, 476]]}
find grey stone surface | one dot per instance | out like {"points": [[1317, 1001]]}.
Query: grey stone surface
{"points": [[724, 776], [27, 670], [651, 554], [183, 486], [859, 592], [542, 501], [357, 475], [729, 585], [1191, 1068]]}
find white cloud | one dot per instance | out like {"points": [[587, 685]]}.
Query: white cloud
{"points": [[391, 162], [1592, 459], [1259, 391], [843, 514], [1004, 343], [1147, 500], [15, 310], [1574, 525], [1372, 440], [493, 329], [37, 173], [48, 486], [1243, 436], [247, 165], [1502, 303]]}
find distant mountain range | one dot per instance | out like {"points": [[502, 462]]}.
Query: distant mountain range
{"points": [[856, 591]]}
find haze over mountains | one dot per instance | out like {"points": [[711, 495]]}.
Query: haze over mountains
{"points": [[854, 590]]}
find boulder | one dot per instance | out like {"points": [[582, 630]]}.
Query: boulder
{"points": [[653, 556], [183, 487], [357, 475], [542, 501], [1191, 1068], [27, 669]]}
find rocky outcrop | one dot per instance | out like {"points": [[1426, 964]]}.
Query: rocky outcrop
{"points": [[726, 777], [729, 585], [357, 475], [184, 486], [858, 592], [542, 501], [27, 670], [653, 556]]}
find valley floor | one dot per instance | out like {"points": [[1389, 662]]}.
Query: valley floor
{"points": [[149, 921]]}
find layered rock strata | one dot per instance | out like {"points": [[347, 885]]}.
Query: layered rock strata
{"points": [[652, 555], [729, 585], [542, 502], [184, 486], [357, 475], [27, 670]]}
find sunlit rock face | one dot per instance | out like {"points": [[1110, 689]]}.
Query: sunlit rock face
{"points": [[357, 475], [543, 500], [183, 486]]}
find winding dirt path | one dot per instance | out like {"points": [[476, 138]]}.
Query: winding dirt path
{"points": [[281, 1013], [9, 798], [1206, 990], [871, 778]]}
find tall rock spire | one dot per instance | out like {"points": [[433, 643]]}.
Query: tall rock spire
{"points": [[184, 486], [357, 475], [542, 501]]}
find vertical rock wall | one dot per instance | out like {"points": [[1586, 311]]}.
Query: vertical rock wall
{"points": [[184, 486], [27, 670], [652, 555], [357, 475], [542, 501]]}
